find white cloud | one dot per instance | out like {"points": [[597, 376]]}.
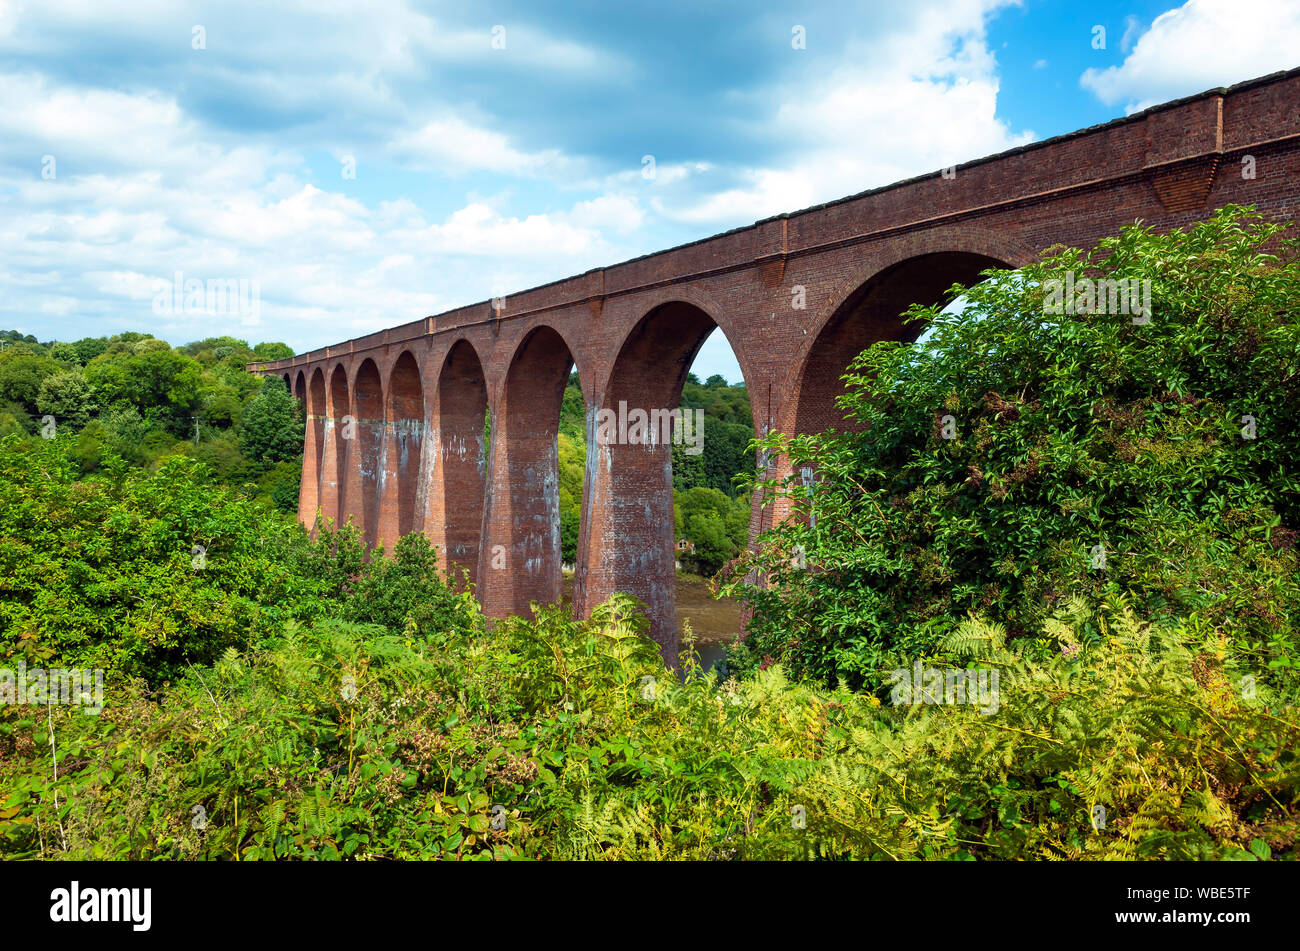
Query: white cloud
{"points": [[1200, 45], [143, 190], [479, 230], [92, 249], [916, 100], [453, 146], [619, 213]]}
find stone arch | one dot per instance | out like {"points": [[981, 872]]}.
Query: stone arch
{"points": [[402, 509], [702, 300], [875, 287], [511, 352], [627, 541], [866, 315], [867, 308], [300, 390], [456, 512], [337, 442], [313, 450], [520, 560], [361, 496]]}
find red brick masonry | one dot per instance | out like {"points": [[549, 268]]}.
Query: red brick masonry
{"points": [[413, 458]]}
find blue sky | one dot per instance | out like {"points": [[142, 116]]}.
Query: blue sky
{"points": [[496, 146]]}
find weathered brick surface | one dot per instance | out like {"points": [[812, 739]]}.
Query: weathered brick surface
{"points": [[460, 460], [418, 392], [519, 562]]}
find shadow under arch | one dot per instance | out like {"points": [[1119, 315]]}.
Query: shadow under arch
{"points": [[338, 442], [313, 455], [455, 513], [521, 559], [402, 509], [870, 314], [365, 444]]}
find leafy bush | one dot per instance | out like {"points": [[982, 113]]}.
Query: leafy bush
{"points": [[146, 573], [408, 592], [1090, 456], [132, 570]]}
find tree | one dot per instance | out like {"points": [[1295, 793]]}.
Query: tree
{"points": [[273, 351], [65, 353], [713, 547], [272, 428], [161, 383], [714, 523], [88, 348], [67, 397], [219, 404], [21, 375]]}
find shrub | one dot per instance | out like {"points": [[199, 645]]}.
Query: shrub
{"points": [[1091, 456]]}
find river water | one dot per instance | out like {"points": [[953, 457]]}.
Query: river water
{"points": [[716, 623]]}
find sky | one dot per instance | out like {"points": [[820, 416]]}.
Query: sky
{"points": [[361, 165]]}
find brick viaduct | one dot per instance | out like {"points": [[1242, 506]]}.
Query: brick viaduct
{"points": [[419, 392]]}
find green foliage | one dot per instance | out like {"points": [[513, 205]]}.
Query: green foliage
{"points": [[572, 457], [161, 384], [272, 351], [67, 397], [1091, 456], [22, 371], [407, 593], [134, 397], [146, 572], [728, 430], [284, 485], [128, 569], [88, 348], [725, 454], [273, 425], [715, 524], [346, 740]]}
